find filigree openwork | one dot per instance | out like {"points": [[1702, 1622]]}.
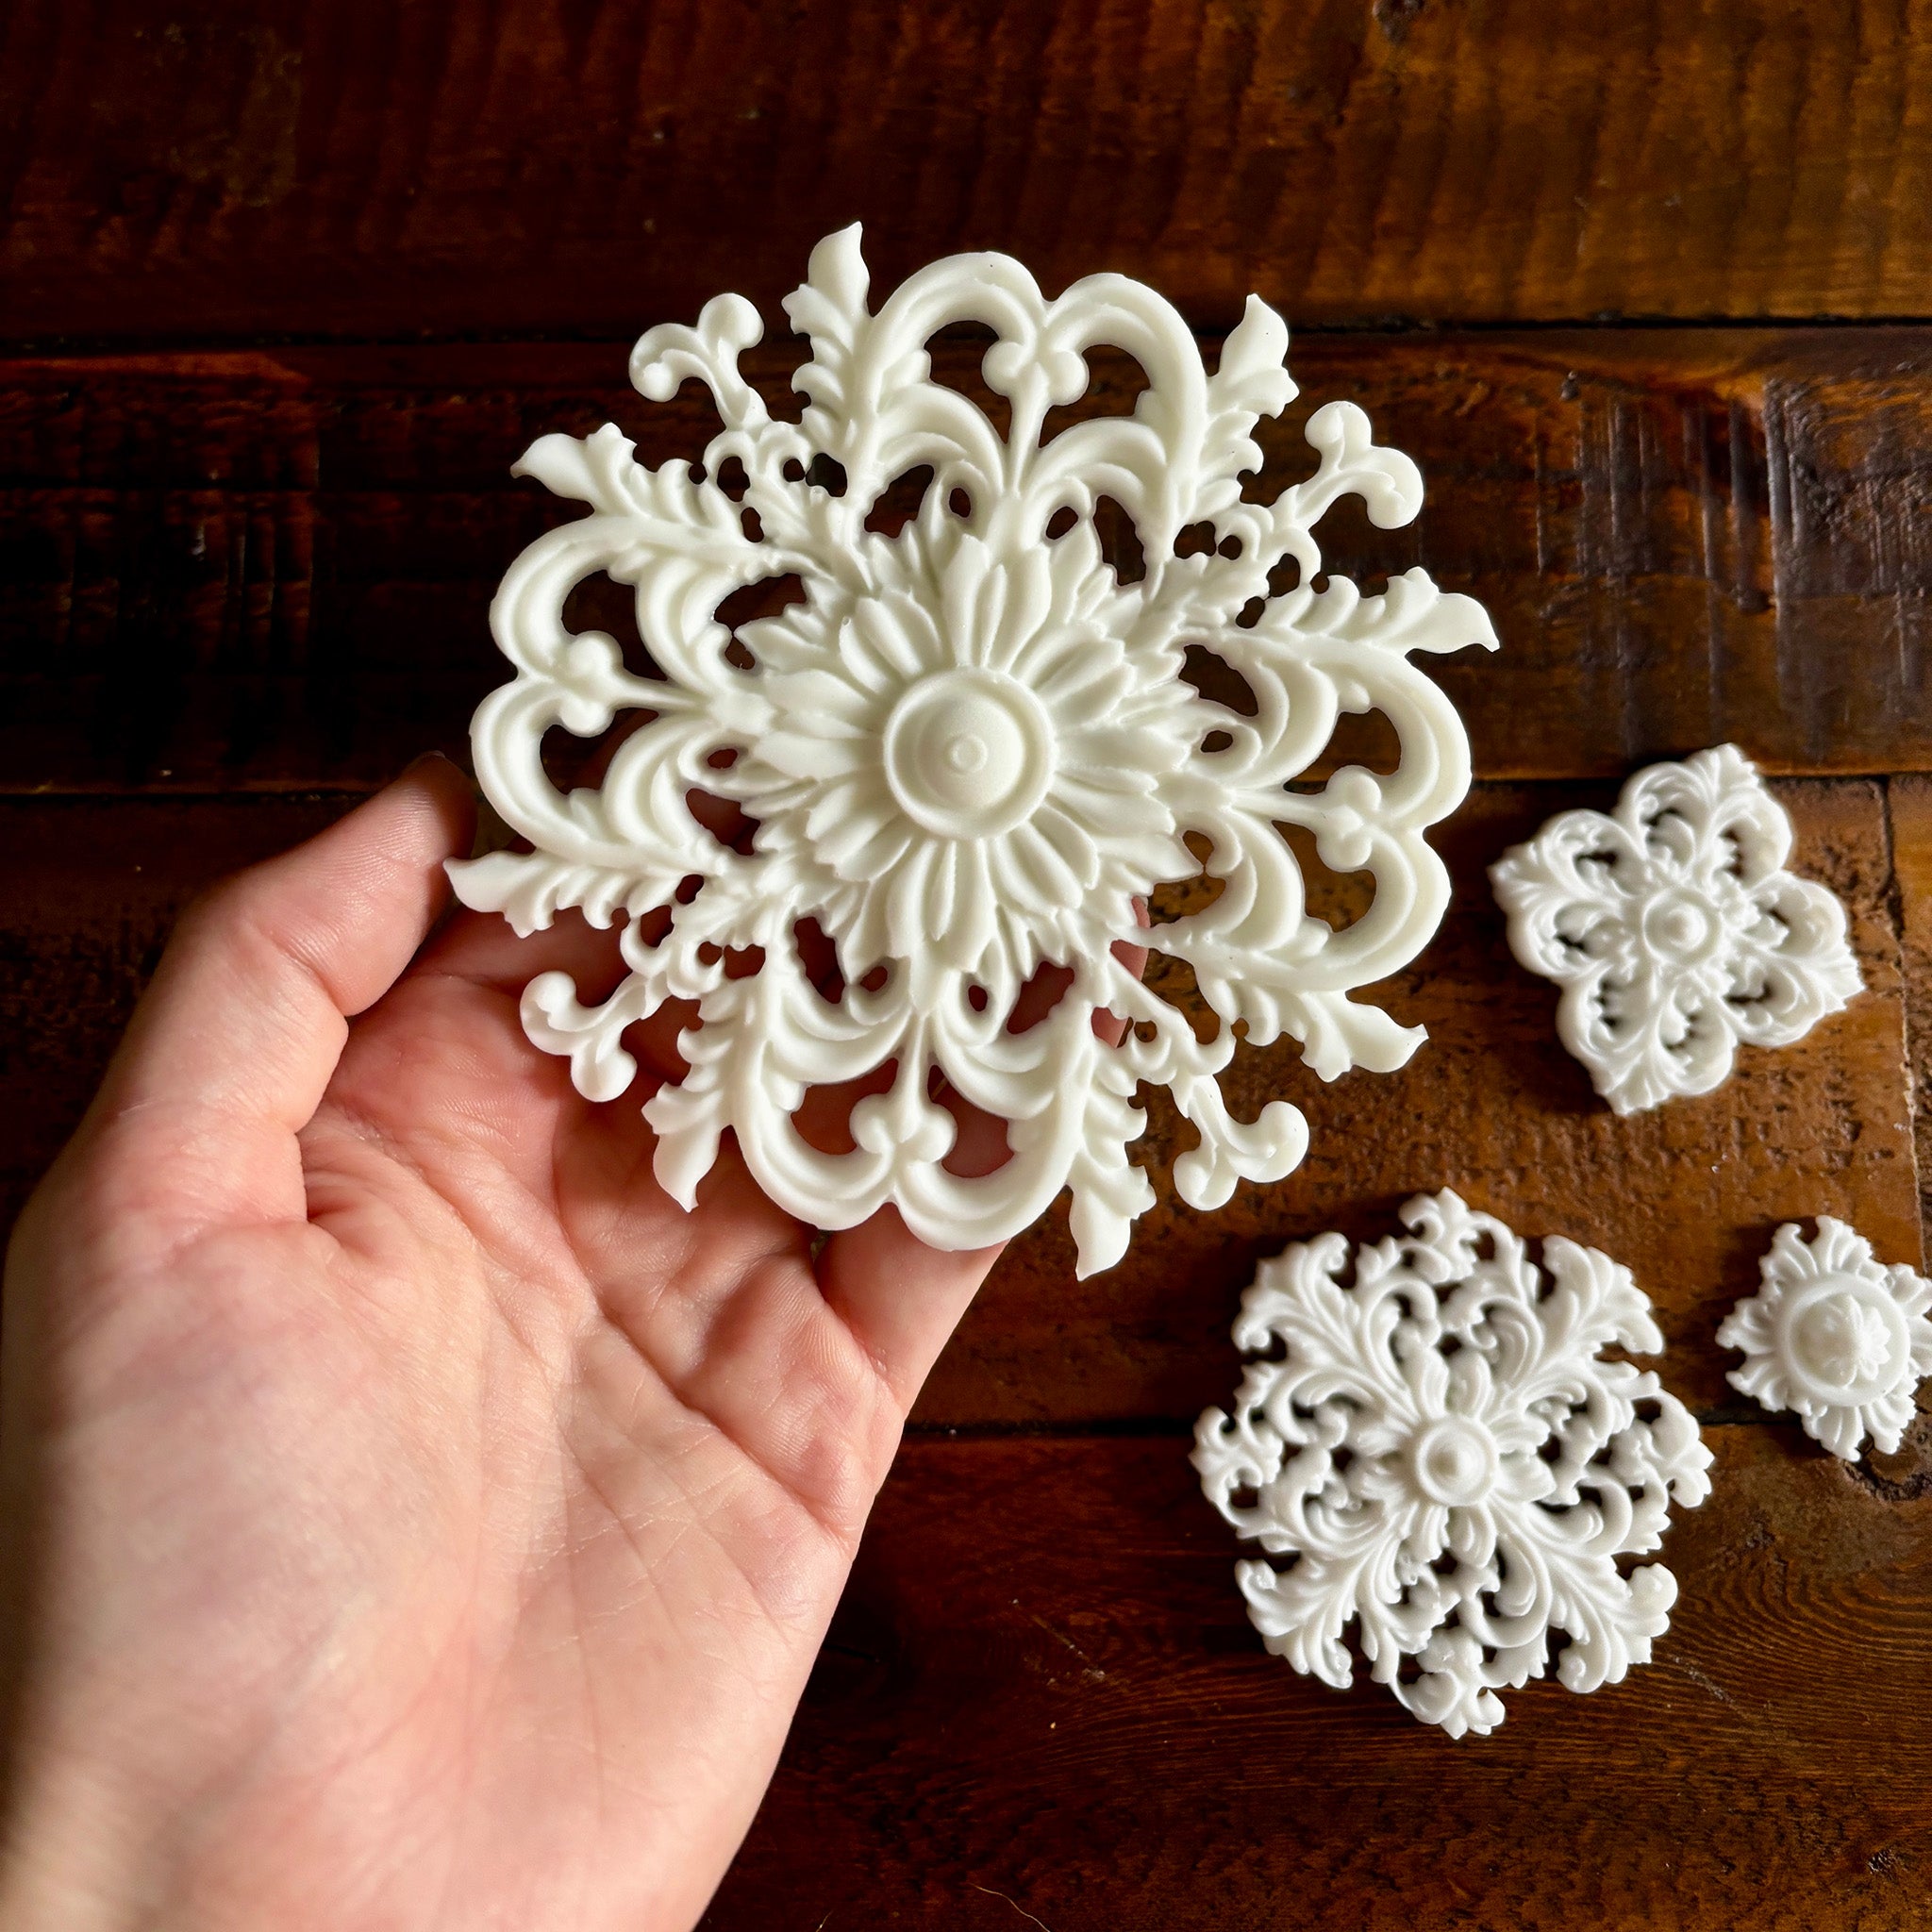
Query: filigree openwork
{"points": [[1834, 1335], [970, 750], [1437, 1452], [1675, 930]]}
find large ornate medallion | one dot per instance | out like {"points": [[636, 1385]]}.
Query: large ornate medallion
{"points": [[969, 751]]}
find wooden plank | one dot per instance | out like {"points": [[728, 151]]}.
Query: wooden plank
{"points": [[291, 166], [1687, 1195], [1041, 1692], [272, 570], [92, 887]]}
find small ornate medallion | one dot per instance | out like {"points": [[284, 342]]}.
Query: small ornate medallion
{"points": [[1834, 1336], [1675, 930]]}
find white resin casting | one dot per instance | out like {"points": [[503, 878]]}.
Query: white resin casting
{"points": [[1436, 1448], [969, 750], [1675, 930], [1834, 1335]]}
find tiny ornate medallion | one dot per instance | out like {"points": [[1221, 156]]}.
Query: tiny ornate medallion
{"points": [[970, 751], [1436, 1448], [1675, 930], [1836, 1336]]}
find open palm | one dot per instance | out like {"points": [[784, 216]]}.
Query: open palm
{"points": [[417, 1520]]}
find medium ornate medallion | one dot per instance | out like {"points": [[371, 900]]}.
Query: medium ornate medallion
{"points": [[1432, 1449]]}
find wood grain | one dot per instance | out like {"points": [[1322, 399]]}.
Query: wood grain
{"points": [[1687, 1195], [1041, 1692], [272, 570], [455, 166], [1909, 802]]}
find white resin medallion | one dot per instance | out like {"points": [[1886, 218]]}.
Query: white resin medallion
{"points": [[1434, 1445], [1834, 1335], [1675, 930], [969, 750]]}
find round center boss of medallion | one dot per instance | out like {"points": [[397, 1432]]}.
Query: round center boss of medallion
{"points": [[1847, 1340], [1455, 1460], [1676, 927], [968, 753]]}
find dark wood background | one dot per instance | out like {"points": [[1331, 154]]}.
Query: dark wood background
{"points": [[1646, 288]]}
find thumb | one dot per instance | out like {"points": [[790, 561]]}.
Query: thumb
{"points": [[230, 1051]]}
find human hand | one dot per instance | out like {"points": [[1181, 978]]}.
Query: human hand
{"points": [[416, 1518]]}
